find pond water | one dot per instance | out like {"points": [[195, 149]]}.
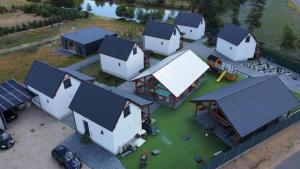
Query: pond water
{"points": [[107, 9]]}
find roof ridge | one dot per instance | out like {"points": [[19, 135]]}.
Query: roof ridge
{"points": [[244, 88]]}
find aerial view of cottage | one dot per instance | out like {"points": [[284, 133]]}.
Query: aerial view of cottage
{"points": [[150, 84]]}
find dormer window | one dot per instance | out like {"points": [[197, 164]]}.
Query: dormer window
{"points": [[135, 50], [67, 83], [126, 111], [248, 39]]}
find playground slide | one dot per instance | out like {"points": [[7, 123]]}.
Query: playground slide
{"points": [[221, 76]]}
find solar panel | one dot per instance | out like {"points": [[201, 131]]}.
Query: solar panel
{"points": [[13, 94]]}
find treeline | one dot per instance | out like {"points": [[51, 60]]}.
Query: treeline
{"points": [[141, 15], [51, 16]]}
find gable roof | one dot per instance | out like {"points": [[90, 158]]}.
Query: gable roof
{"points": [[233, 34], [159, 30], [44, 78], [88, 35], [116, 47], [132, 97], [98, 105], [177, 72], [77, 75], [189, 19], [252, 103]]}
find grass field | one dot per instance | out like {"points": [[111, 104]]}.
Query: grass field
{"points": [[174, 124], [102, 77], [16, 65], [9, 3], [17, 18], [121, 27]]}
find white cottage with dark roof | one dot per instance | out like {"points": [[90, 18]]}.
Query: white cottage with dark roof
{"points": [[162, 38], [236, 43], [110, 120], [54, 89], [120, 57], [192, 25]]}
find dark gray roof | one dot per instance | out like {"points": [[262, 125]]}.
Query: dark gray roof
{"points": [[88, 35], [116, 47], [134, 98], [98, 105], [77, 75], [159, 30], [233, 34], [44, 78], [253, 103], [189, 19]]}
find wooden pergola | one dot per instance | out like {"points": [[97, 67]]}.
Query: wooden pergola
{"points": [[218, 115]]}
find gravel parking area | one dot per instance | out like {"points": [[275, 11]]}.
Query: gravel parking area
{"points": [[35, 133]]}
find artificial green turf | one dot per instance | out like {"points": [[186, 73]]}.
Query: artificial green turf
{"points": [[174, 124]]}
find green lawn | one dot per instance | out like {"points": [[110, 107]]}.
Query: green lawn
{"points": [[94, 71], [174, 124], [297, 95]]}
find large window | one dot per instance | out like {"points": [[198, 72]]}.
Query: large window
{"points": [[67, 83], [134, 50], [248, 39], [126, 111]]}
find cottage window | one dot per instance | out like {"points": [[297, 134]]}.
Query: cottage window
{"points": [[126, 111], [102, 132], [230, 48], [67, 83], [248, 39], [175, 32], [119, 64], [134, 50], [191, 30], [162, 43]]}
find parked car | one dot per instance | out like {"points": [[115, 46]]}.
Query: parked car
{"points": [[22, 106], [66, 158], [6, 141], [9, 116]]}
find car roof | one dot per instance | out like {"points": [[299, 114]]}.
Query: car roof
{"points": [[61, 150]]}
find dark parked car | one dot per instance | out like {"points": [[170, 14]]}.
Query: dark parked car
{"points": [[9, 116], [6, 141], [66, 158]]}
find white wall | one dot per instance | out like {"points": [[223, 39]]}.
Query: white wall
{"points": [[126, 70], [193, 33], [125, 130], [59, 105], [162, 46], [241, 52]]}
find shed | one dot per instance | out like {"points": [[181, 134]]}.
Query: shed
{"points": [[236, 43], [86, 41], [162, 38], [192, 25], [121, 57], [249, 105], [173, 79], [109, 119]]}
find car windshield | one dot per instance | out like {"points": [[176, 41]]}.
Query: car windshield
{"points": [[3, 136], [69, 156]]}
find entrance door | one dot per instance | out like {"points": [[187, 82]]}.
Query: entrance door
{"points": [[86, 128]]}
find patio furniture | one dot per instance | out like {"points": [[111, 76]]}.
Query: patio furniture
{"points": [[155, 152]]}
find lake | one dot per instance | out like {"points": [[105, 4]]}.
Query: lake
{"points": [[108, 10]]}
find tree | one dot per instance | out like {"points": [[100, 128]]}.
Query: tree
{"points": [[123, 11], [235, 16], [254, 18], [63, 3], [89, 7], [289, 38]]}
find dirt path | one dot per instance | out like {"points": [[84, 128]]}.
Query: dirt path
{"points": [[271, 153]]}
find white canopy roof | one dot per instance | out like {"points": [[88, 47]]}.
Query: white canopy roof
{"points": [[177, 72]]}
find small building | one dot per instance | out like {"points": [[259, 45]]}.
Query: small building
{"points": [[84, 42], [12, 95], [236, 43], [162, 38], [120, 57], [107, 118], [54, 88], [192, 25], [237, 111], [173, 79]]}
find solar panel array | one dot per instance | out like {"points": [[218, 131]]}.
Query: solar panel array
{"points": [[13, 94]]}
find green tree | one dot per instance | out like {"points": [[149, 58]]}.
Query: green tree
{"points": [[289, 38], [89, 7], [254, 18], [63, 3]]}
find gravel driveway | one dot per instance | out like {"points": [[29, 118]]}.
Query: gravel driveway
{"points": [[35, 133]]}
